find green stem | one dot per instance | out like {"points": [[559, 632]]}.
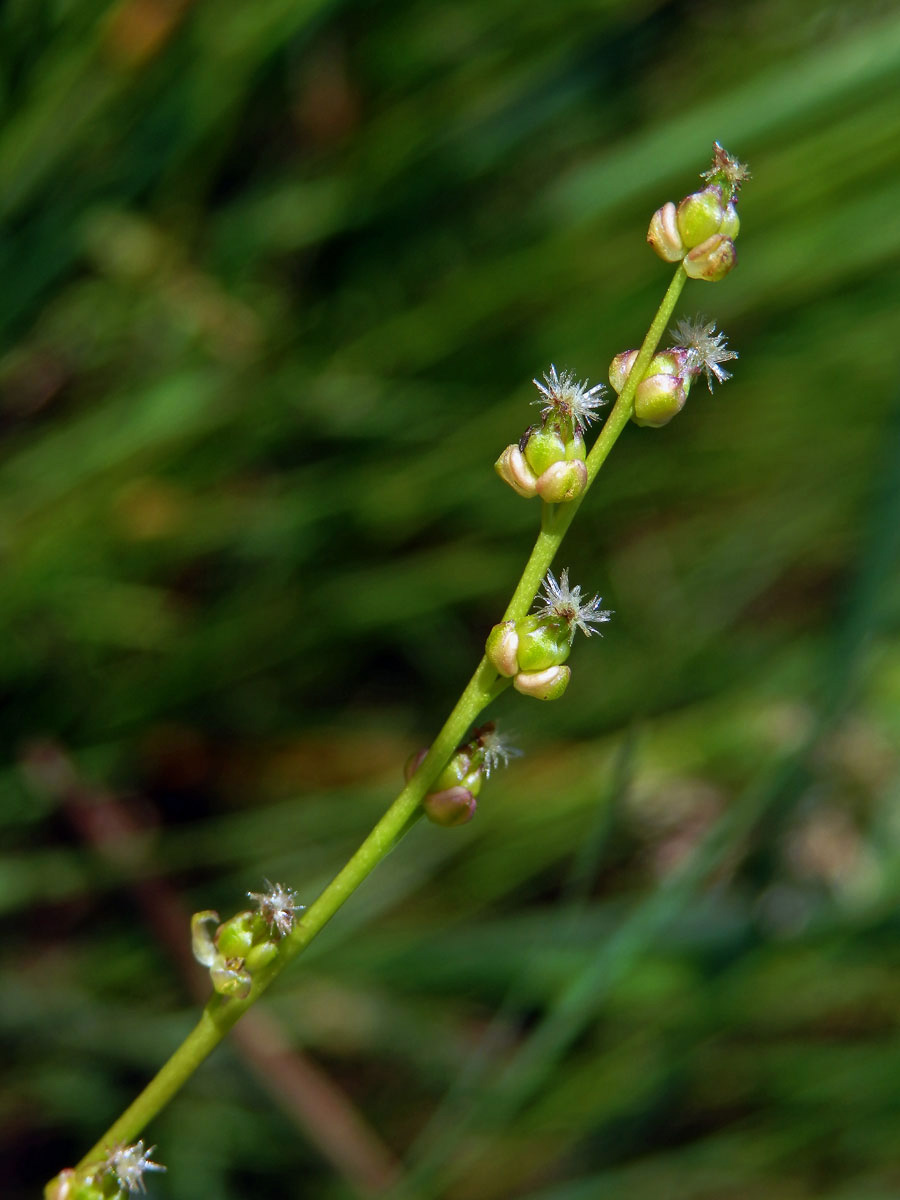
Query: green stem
{"points": [[556, 518], [221, 1013]]}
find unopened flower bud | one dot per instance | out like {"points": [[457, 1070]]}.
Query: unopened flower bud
{"points": [[465, 769], [514, 470], [663, 234], [414, 762], [545, 445], [202, 942], [502, 648], [669, 362], [544, 641], [230, 977], [731, 222], [235, 937], [563, 481], [72, 1184], [451, 800], [620, 369], [712, 259], [700, 215], [60, 1186], [664, 388], [260, 955], [451, 806], [658, 399], [543, 685]]}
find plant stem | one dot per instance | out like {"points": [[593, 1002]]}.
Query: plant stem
{"points": [[556, 518], [220, 1012]]}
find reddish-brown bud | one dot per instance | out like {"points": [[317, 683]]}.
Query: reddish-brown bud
{"points": [[452, 806]]}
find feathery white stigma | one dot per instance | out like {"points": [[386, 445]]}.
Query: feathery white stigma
{"points": [[565, 602], [128, 1164], [277, 906], [563, 394], [727, 166], [498, 750], [707, 350]]}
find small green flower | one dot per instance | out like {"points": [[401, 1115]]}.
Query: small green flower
{"points": [[531, 651], [549, 459], [662, 393], [245, 942], [700, 231], [452, 799]]}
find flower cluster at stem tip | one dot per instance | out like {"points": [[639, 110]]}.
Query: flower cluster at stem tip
{"points": [[700, 231], [120, 1174], [532, 651], [245, 942], [451, 799]]}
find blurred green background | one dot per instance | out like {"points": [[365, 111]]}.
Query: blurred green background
{"points": [[276, 275]]}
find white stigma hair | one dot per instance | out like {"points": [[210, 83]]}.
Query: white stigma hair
{"points": [[565, 395], [706, 349], [563, 601]]}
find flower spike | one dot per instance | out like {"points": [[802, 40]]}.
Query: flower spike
{"points": [[564, 395], [706, 349], [565, 603]]}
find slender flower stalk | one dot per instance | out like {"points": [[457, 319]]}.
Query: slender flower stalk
{"points": [[484, 686], [251, 949]]}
